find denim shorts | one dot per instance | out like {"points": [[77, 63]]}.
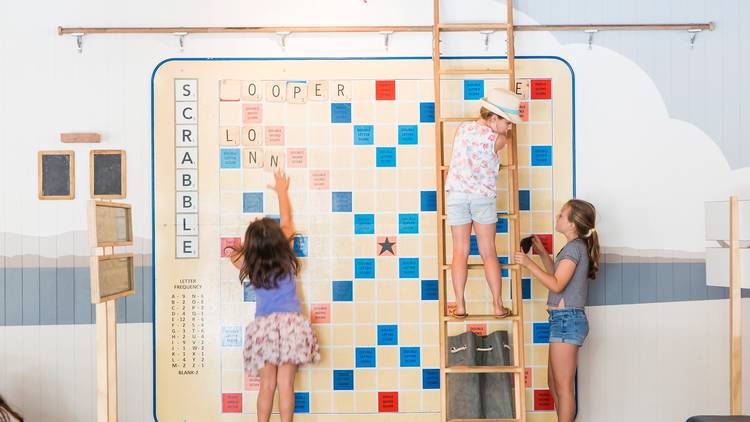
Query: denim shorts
{"points": [[568, 326], [463, 208]]}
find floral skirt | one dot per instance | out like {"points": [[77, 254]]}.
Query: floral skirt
{"points": [[279, 338]]}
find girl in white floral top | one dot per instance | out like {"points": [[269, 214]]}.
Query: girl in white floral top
{"points": [[471, 189]]}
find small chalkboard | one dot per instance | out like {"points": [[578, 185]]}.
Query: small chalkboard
{"points": [[107, 174], [112, 277], [56, 175]]}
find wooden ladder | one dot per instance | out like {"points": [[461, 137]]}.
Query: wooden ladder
{"points": [[517, 369]]}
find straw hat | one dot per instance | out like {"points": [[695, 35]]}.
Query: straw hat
{"points": [[503, 103]]}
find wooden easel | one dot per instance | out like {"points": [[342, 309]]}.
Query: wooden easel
{"points": [[735, 310], [723, 269], [103, 295]]}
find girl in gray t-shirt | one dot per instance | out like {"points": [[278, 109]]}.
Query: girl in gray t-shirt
{"points": [[567, 278]]}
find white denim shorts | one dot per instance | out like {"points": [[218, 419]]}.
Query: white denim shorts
{"points": [[463, 208]]}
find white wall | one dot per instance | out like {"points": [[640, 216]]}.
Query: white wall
{"points": [[655, 357]]}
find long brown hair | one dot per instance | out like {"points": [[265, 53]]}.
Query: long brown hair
{"points": [[6, 412], [583, 215], [268, 254]]}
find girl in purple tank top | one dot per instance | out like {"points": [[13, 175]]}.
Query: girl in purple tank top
{"points": [[280, 338]]}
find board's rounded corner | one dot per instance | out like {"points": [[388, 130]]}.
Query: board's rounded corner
{"points": [[566, 63], [160, 64]]}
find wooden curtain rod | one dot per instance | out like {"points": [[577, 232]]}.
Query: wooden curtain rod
{"points": [[424, 28]]}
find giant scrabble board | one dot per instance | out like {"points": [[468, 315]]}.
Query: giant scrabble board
{"points": [[357, 139]]}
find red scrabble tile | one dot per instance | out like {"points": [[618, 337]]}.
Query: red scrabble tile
{"points": [[541, 89], [226, 245], [543, 400], [388, 401], [320, 313], [546, 241], [231, 402], [385, 90], [478, 329], [524, 111]]}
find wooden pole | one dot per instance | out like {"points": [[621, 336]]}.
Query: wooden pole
{"points": [[106, 362], [735, 310], [440, 202], [418, 28]]}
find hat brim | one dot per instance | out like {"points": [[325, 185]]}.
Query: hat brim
{"points": [[514, 118]]}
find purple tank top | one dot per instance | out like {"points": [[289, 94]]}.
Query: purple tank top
{"points": [[281, 299]]}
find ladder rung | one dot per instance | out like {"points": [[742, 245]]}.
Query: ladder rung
{"points": [[483, 369], [447, 267], [474, 71], [480, 318], [473, 26]]}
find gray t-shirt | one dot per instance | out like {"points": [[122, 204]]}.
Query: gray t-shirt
{"points": [[576, 292]]}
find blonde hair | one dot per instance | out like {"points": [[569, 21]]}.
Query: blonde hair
{"points": [[486, 114], [583, 216]]}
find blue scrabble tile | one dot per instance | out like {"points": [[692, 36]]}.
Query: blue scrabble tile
{"points": [[524, 200], [248, 292], [343, 379], [431, 379], [503, 260], [501, 226], [231, 158], [342, 201], [541, 155], [364, 267], [301, 402], [473, 245], [300, 246], [473, 89], [408, 135], [341, 113], [231, 336], [385, 156], [428, 200], [429, 290], [252, 202], [364, 223], [341, 291], [387, 335], [364, 357], [426, 112], [541, 332], [408, 267], [364, 135], [274, 217], [525, 288], [408, 223], [409, 357]]}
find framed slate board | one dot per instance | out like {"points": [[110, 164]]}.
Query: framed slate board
{"points": [[110, 224], [56, 175], [112, 277], [107, 174]]}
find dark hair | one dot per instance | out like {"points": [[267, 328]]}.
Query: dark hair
{"points": [[583, 215], [6, 412], [268, 254]]}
